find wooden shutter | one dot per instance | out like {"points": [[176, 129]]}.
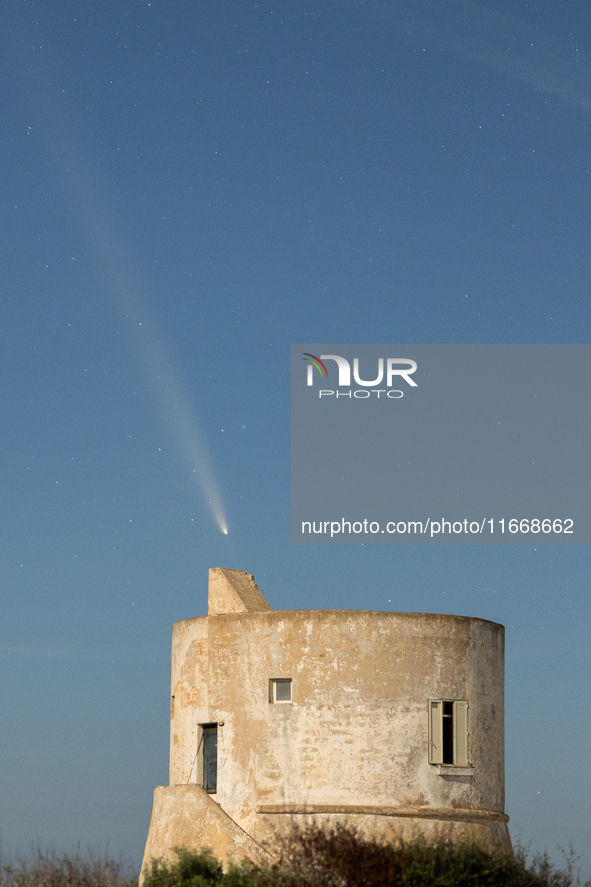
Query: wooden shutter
{"points": [[460, 723], [435, 731]]}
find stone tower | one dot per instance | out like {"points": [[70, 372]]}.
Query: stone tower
{"points": [[391, 722]]}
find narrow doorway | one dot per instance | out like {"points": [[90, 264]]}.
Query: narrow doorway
{"points": [[210, 758]]}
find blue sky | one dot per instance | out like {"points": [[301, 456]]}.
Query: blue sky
{"points": [[187, 189]]}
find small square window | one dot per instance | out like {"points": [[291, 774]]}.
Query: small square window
{"points": [[280, 690]]}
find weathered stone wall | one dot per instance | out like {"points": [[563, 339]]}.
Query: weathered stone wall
{"points": [[353, 742]]}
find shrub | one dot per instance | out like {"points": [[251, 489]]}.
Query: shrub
{"points": [[340, 857], [48, 869], [309, 857], [190, 870]]}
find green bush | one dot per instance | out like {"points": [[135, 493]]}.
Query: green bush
{"points": [[190, 870], [309, 857], [340, 857]]}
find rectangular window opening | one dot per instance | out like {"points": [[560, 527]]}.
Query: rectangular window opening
{"points": [[448, 732], [280, 690], [210, 758]]}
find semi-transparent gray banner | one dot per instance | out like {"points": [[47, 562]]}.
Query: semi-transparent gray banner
{"points": [[441, 444]]}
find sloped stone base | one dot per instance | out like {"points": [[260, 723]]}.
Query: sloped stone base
{"points": [[186, 816]]}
